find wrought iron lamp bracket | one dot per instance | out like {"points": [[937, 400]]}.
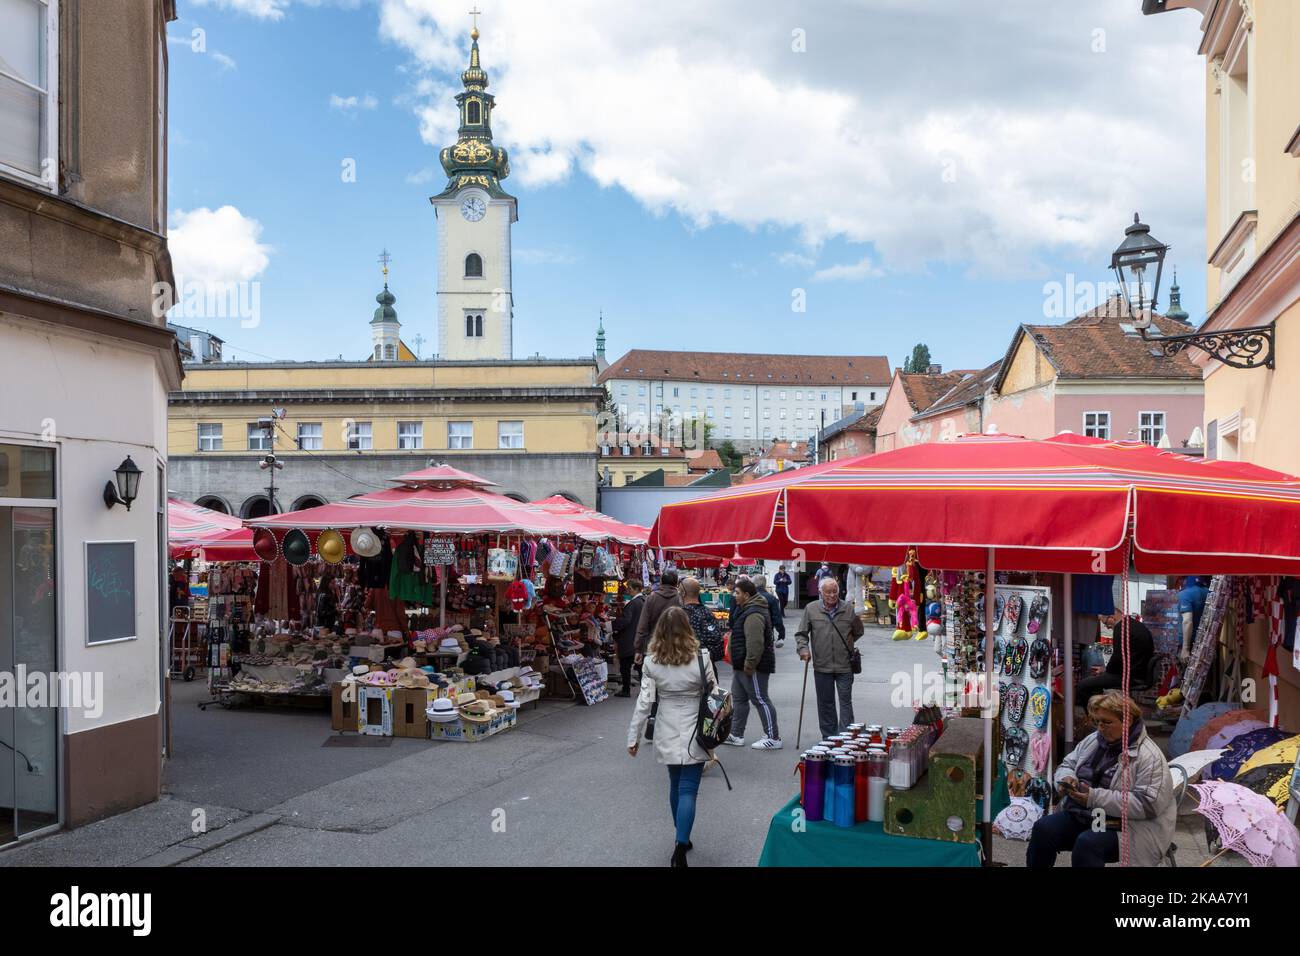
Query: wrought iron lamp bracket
{"points": [[1237, 348]]}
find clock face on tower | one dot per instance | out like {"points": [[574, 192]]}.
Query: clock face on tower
{"points": [[473, 208]]}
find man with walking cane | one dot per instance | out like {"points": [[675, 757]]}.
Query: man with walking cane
{"points": [[826, 637]]}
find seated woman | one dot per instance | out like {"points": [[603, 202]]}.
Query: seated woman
{"points": [[1094, 792]]}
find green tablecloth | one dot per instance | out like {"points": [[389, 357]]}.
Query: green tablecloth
{"points": [[866, 844]]}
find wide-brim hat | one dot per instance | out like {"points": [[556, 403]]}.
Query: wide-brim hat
{"points": [[331, 547], [264, 544], [442, 711], [463, 699], [479, 712], [365, 543], [296, 547]]}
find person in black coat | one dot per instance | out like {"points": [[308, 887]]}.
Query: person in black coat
{"points": [[625, 634], [1142, 648]]}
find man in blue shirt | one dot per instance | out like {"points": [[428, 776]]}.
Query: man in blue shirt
{"points": [[1191, 604]]}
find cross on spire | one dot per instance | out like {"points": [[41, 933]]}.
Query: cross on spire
{"points": [[383, 260], [475, 14]]}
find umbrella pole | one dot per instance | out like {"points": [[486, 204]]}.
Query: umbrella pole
{"points": [[990, 587], [1069, 662]]}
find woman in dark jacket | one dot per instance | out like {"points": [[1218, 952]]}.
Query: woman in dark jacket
{"points": [[708, 630]]}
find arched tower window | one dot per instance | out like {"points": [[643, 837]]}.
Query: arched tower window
{"points": [[474, 266], [469, 326], [478, 326], [473, 113]]}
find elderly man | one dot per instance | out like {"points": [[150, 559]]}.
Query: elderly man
{"points": [[773, 609], [826, 635]]}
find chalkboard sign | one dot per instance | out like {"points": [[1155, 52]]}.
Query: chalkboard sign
{"points": [[439, 551], [110, 591]]}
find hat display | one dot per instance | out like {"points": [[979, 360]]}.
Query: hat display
{"points": [[479, 712], [361, 669], [296, 547], [442, 711], [464, 699], [331, 546], [265, 545], [508, 700], [365, 543]]}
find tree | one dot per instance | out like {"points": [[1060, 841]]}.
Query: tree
{"points": [[727, 452], [920, 360]]}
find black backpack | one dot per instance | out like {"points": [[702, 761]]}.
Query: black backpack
{"points": [[713, 724]]}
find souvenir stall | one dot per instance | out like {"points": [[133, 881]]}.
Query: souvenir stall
{"points": [[984, 504], [466, 583]]}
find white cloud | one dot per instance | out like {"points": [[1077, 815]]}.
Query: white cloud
{"points": [[261, 9], [935, 132], [350, 104], [422, 176], [226, 62], [216, 246], [862, 269], [798, 259]]}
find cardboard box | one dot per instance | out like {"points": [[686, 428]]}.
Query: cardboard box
{"points": [[376, 706], [467, 731], [345, 715], [409, 705]]}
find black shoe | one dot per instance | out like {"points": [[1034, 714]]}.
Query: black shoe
{"points": [[689, 846], [679, 854], [624, 693]]}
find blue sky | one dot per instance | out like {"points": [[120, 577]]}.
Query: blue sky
{"points": [[919, 169]]}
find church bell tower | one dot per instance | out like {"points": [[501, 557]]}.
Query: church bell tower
{"points": [[475, 215]]}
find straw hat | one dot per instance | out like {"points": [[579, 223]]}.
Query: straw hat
{"points": [[464, 699], [480, 712], [365, 544], [331, 546], [442, 711]]}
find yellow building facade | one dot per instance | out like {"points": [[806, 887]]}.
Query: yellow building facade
{"points": [[1252, 200]]}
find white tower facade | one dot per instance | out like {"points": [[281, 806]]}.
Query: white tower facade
{"points": [[385, 330], [475, 216]]}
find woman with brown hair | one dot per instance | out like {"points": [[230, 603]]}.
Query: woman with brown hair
{"points": [[673, 680]]}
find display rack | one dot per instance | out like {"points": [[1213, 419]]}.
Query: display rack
{"points": [[187, 654]]}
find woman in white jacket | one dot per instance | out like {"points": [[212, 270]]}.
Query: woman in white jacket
{"points": [[674, 674]]}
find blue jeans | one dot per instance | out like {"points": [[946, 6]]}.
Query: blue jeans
{"points": [[683, 785], [1060, 831]]}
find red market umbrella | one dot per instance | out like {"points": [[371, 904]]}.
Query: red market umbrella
{"points": [[1059, 505], [612, 528], [190, 527]]}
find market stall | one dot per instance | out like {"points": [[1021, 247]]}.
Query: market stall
{"points": [[1001, 503]]}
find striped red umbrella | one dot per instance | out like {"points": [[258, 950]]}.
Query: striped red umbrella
{"points": [[1066, 504], [191, 527], [612, 528]]}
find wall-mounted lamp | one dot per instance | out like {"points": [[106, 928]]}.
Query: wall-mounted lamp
{"points": [[126, 487]]}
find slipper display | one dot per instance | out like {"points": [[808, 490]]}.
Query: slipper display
{"points": [[1013, 657], [998, 648], [1040, 658], [1002, 695], [1040, 791], [979, 611], [999, 606], [1038, 612], [1017, 699], [1012, 616], [1015, 741], [1040, 706], [1040, 751]]}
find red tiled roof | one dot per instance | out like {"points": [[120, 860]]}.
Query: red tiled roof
{"points": [[740, 368], [968, 391], [923, 390], [707, 460], [1095, 346]]}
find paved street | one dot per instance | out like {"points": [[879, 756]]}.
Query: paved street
{"points": [[274, 793]]}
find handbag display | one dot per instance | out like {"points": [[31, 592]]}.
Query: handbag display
{"points": [[502, 565]]}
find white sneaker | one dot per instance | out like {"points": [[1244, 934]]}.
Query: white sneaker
{"points": [[767, 743], [780, 644], [735, 741]]}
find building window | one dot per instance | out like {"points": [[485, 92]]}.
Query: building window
{"points": [[209, 436], [390, 352], [1096, 424], [309, 436], [640, 389], [747, 432], [798, 396], [259, 438], [1151, 427], [676, 392], [629, 477], [853, 396], [623, 391], [708, 393], [783, 414], [726, 412], [767, 413], [873, 395], [664, 450], [473, 266], [746, 411], [726, 393], [510, 434], [695, 393], [28, 98], [604, 450], [823, 396], [726, 432], [474, 325], [708, 412], [360, 436], [410, 435], [783, 395], [473, 113], [626, 450], [460, 434]]}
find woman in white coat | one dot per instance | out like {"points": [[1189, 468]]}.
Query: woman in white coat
{"points": [[675, 673]]}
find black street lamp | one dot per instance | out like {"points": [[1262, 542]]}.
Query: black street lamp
{"points": [[1132, 261], [127, 485]]}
